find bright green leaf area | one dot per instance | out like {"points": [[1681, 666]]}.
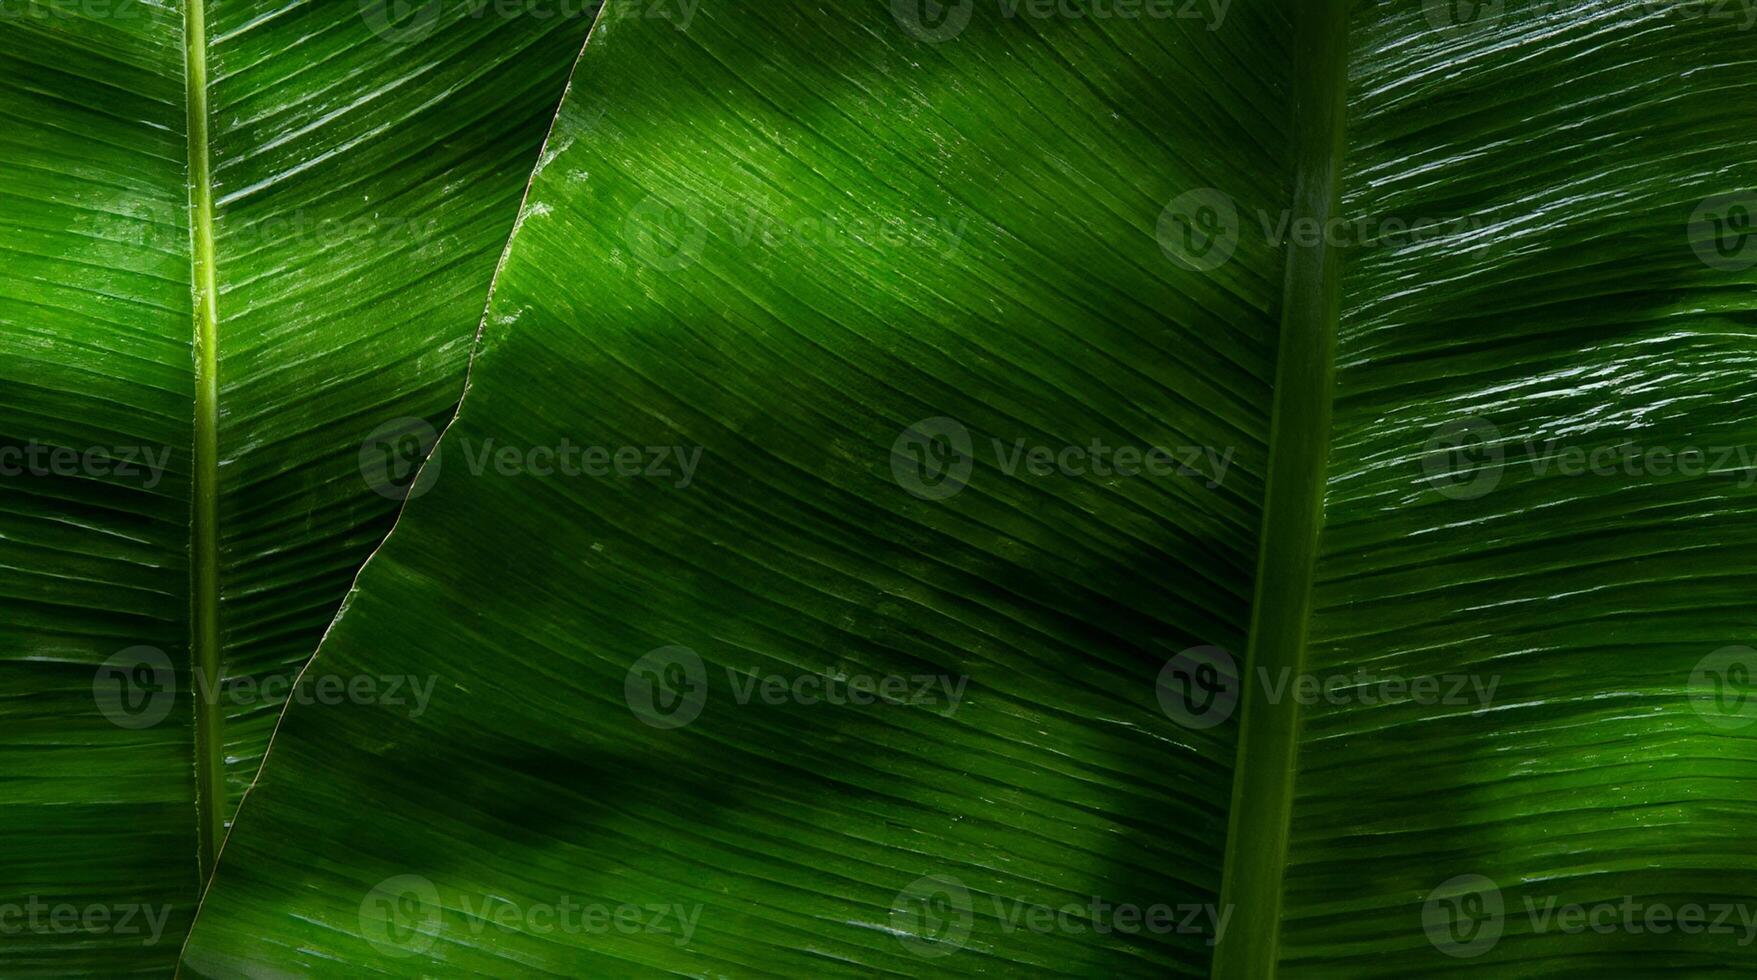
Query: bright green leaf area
{"points": [[782, 240], [362, 183], [1575, 302], [823, 272]]}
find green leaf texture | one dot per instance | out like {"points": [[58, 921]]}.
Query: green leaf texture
{"points": [[1528, 622], [804, 253], [348, 184], [1576, 315]]}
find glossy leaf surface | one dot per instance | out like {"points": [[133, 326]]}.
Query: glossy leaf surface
{"points": [[1576, 576], [1531, 665], [363, 175], [838, 251]]}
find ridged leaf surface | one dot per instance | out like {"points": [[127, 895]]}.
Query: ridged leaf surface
{"points": [[363, 175]]}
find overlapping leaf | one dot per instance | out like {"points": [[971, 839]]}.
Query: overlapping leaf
{"points": [[774, 266], [1576, 320], [1531, 751], [364, 173]]}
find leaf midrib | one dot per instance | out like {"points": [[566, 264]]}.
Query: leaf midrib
{"points": [[1263, 776], [204, 642]]}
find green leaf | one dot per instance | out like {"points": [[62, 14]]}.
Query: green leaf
{"points": [[836, 248], [318, 194], [1496, 701], [1573, 300]]}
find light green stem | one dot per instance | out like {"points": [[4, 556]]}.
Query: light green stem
{"points": [[1263, 779], [204, 517]]}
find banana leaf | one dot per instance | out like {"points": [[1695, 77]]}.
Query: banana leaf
{"points": [[246, 247], [771, 266], [1447, 668]]}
